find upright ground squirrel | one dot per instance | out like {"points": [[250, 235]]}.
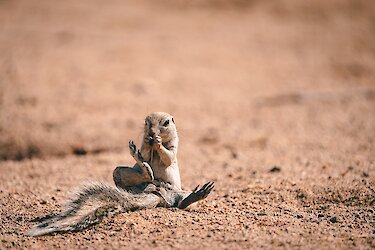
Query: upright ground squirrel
{"points": [[157, 157]]}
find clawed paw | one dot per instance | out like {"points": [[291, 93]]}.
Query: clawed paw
{"points": [[197, 194], [204, 191], [157, 143]]}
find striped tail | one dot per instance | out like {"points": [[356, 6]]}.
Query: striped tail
{"points": [[90, 205]]}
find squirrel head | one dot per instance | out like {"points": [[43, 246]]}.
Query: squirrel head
{"points": [[160, 124]]}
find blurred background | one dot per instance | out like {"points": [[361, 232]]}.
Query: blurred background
{"points": [[274, 101], [78, 77]]}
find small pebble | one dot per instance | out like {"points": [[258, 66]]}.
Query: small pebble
{"points": [[333, 219], [275, 169]]}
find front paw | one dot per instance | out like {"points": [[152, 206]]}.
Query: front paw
{"points": [[157, 143]]}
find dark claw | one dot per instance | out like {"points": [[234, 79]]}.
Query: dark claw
{"points": [[209, 188], [195, 189], [205, 185], [204, 191]]}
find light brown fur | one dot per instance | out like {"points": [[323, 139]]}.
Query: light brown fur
{"points": [[157, 158]]}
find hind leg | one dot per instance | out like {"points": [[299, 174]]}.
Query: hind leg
{"points": [[126, 176], [136, 154]]}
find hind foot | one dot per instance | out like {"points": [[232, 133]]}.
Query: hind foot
{"points": [[197, 195]]}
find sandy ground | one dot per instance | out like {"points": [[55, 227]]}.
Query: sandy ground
{"points": [[273, 100]]}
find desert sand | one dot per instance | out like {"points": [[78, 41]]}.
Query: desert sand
{"points": [[273, 100]]}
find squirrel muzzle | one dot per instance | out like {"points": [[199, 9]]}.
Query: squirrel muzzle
{"points": [[151, 140]]}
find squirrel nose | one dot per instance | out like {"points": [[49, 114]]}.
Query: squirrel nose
{"points": [[152, 134]]}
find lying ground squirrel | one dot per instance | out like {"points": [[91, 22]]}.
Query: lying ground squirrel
{"points": [[156, 186], [157, 158]]}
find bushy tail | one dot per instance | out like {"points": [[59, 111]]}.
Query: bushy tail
{"points": [[90, 205]]}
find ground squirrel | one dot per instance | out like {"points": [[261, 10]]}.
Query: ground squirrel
{"points": [[95, 201], [138, 187], [157, 158]]}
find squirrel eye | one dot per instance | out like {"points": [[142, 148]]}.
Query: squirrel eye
{"points": [[148, 124], [166, 123]]}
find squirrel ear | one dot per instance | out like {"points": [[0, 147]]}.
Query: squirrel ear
{"points": [[172, 120]]}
